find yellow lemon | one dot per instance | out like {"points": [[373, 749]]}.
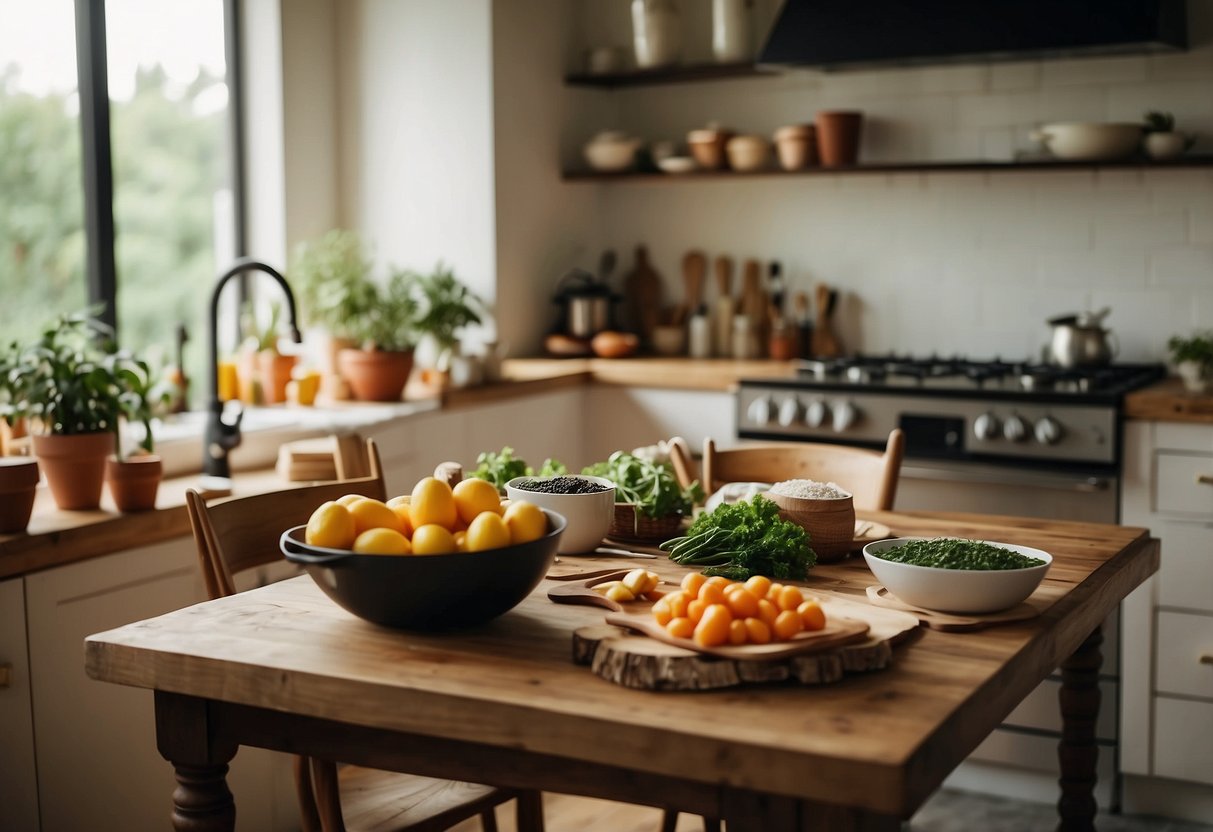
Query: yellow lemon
{"points": [[473, 496], [525, 521], [400, 505], [432, 503], [487, 531], [331, 526], [432, 539], [350, 499], [382, 541], [372, 514]]}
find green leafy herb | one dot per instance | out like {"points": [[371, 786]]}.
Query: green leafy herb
{"points": [[500, 468], [744, 539], [648, 485], [953, 553]]}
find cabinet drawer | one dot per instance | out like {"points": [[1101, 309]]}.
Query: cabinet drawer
{"points": [[1185, 574], [1178, 486], [1182, 642], [1183, 739]]}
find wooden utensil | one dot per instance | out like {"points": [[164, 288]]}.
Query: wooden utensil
{"points": [[642, 293], [722, 312], [950, 622], [754, 302], [694, 270], [825, 341]]}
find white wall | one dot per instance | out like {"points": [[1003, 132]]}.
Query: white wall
{"points": [[966, 263], [415, 108]]}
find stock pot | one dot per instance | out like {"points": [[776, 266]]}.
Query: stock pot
{"points": [[1081, 341]]}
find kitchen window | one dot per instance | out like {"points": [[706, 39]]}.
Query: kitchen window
{"points": [[116, 166]]}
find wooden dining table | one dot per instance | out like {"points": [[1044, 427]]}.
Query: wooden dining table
{"points": [[283, 667]]}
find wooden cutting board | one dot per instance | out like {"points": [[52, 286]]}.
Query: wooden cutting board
{"points": [[639, 661], [642, 293], [961, 623], [825, 341]]}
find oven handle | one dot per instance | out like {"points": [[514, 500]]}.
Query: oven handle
{"points": [[1003, 476]]}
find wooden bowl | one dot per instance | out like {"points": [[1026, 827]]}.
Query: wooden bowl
{"points": [[830, 523], [629, 525]]}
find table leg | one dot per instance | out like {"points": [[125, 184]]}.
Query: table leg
{"points": [[748, 812], [1077, 753], [202, 801]]}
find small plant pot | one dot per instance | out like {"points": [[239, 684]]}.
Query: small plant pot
{"points": [[134, 482], [1164, 146], [18, 485], [830, 523], [838, 134], [75, 467], [1195, 376], [275, 370], [627, 524], [375, 375]]}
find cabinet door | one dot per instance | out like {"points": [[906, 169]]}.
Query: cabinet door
{"points": [[18, 782], [98, 767], [628, 417]]}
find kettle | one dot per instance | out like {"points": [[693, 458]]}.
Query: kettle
{"points": [[1081, 341], [586, 303]]}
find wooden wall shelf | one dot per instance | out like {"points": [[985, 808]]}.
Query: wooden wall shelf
{"points": [[670, 75], [1203, 161]]}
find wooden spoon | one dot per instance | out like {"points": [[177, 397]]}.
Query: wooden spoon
{"points": [[694, 270]]}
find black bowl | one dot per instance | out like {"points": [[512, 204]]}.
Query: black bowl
{"points": [[428, 592]]}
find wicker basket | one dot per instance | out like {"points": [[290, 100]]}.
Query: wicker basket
{"points": [[630, 525], [830, 523]]}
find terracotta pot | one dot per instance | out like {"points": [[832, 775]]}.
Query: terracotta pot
{"points": [[8, 436], [134, 482], [796, 145], [18, 485], [838, 133], [75, 467], [375, 376], [708, 147], [275, 370]]}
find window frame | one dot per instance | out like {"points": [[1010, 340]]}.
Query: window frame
{"points": [[92, 81]]}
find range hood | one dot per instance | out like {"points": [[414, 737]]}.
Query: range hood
{"points": [[838, 34]]}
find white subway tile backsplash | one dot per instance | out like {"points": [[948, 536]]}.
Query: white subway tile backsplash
{"points": [[1093, 268], [1190, 101], [1091, 71], [1126, 231], [1014, 76], [1182, 266]]}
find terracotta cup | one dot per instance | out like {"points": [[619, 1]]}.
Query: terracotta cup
{"points": [[838, 134], [796, 146], [18, 485], [275, 371], [134, 482], [75, 467]]}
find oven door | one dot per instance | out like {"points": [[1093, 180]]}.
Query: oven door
{"points": [[1000, 489]]}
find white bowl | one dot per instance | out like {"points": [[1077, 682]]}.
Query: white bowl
{"points": [[957, 590], [677, 164], [589, 515], [1090, 141], [611, 152]]}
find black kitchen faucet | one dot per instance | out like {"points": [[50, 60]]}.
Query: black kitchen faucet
{"points": [[220, 436]]}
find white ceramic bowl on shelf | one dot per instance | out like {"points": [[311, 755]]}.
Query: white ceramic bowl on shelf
{"points": [[1090, 141], [957, 590], [589, 516]]}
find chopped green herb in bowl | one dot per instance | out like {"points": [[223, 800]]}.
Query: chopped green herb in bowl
{"points": [[953, 553]]}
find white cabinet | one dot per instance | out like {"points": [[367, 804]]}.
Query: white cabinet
{"points": [[97, 764], [629, 417], [1167, 651], [18, 783]]}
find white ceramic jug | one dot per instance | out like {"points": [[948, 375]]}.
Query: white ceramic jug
{"points": [[656, 33], [731, 31]]}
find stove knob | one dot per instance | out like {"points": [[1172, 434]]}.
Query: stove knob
{"points": [[985, 426], [845, 415], [1048, 431], [789, 412], [1014, 429], [815, 414], [759, 411]]}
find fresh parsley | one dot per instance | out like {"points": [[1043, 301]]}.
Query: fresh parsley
{"points": [[744, 539]]}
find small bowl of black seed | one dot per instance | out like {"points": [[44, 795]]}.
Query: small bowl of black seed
{"points": [[587, 503]]}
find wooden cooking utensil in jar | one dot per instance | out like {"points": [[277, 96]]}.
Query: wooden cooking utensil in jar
{"points": [[722, 312], [754, 302], [642, 292], [825, 341]]}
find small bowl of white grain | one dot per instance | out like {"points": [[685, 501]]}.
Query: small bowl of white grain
{"points": [[825, 510]]}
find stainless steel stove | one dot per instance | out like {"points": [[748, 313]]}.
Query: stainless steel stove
{"points": [[997, 412]]}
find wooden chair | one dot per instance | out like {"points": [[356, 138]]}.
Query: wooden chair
{"points": [[682, 462], [237, 534], [870, 475]]}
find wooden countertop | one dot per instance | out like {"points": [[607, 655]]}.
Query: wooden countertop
{"points": [[715, 374], [1167, 401]]}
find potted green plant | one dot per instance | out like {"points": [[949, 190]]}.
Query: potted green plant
{"points": [[18, 474], [134, 478], [384, 327], [445, 307], [63, 384], [1162, 141], [1193, 357]]}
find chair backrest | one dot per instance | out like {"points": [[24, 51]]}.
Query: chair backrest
{"points": [[240, 533], [680, 459], [870, 475]]}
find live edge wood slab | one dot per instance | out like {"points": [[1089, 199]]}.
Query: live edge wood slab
{"points": [[282, 667]]}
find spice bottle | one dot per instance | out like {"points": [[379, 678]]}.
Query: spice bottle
{"points": [[804, 325], [700, 333], [743, 338], [781, 344]]}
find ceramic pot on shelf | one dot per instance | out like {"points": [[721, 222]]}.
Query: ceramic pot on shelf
{"points": [[1164, 146], [838, 134], [134, 482], [731, 31], [796, 146], [1196, 376], [75, 467], [656, 32], [375, 375], [18, 485]]}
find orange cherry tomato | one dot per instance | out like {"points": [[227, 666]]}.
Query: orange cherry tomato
{"points": [[692, 581], [695, 610], [737, 631], [773, 592], [757, 631], [813, 616], [677, 602], [719, 580], [713, 628], [741, 602], [711, 593], [790, 597], [759, 585], [787, 624], [661, 613], [681, 627], [768, 612]]}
